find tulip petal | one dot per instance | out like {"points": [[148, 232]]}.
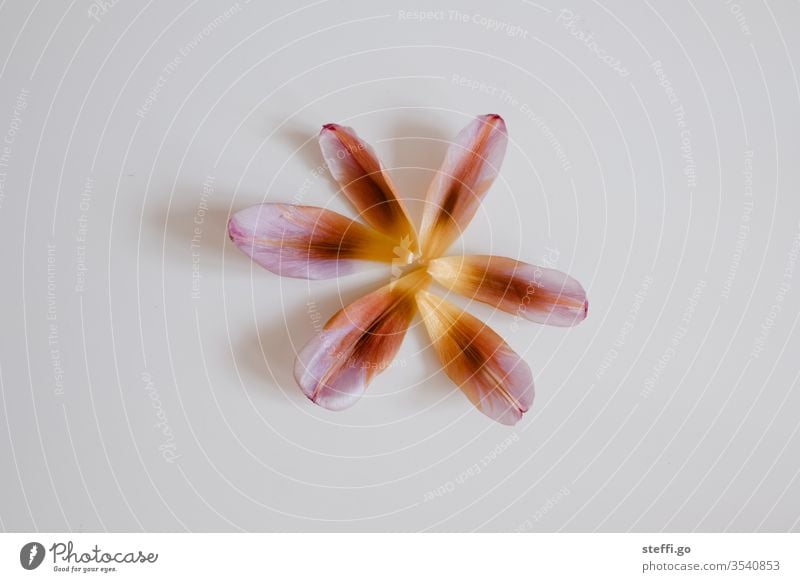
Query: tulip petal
{"points": [[494, 378], [305, 241], [534, 293], [365, 182], [360, 341], [469, 168]]}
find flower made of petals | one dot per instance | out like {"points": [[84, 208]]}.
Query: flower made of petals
{"points": [[361, 340]]}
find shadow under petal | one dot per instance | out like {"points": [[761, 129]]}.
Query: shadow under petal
{"points": [[271, 352], [192, 224], [416, 153]]}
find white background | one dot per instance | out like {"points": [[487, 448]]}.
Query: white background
{"points": [[132, 402]]}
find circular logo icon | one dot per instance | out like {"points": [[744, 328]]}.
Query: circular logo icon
{"points": [[31, 555]]}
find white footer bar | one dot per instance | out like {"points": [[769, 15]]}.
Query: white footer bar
{"points": [[379, 557]]}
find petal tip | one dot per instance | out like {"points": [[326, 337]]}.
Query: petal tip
{"points": [[322, 393], [582, 312], [495, 118], [510, 420], [235, 231], [335, 403]]}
